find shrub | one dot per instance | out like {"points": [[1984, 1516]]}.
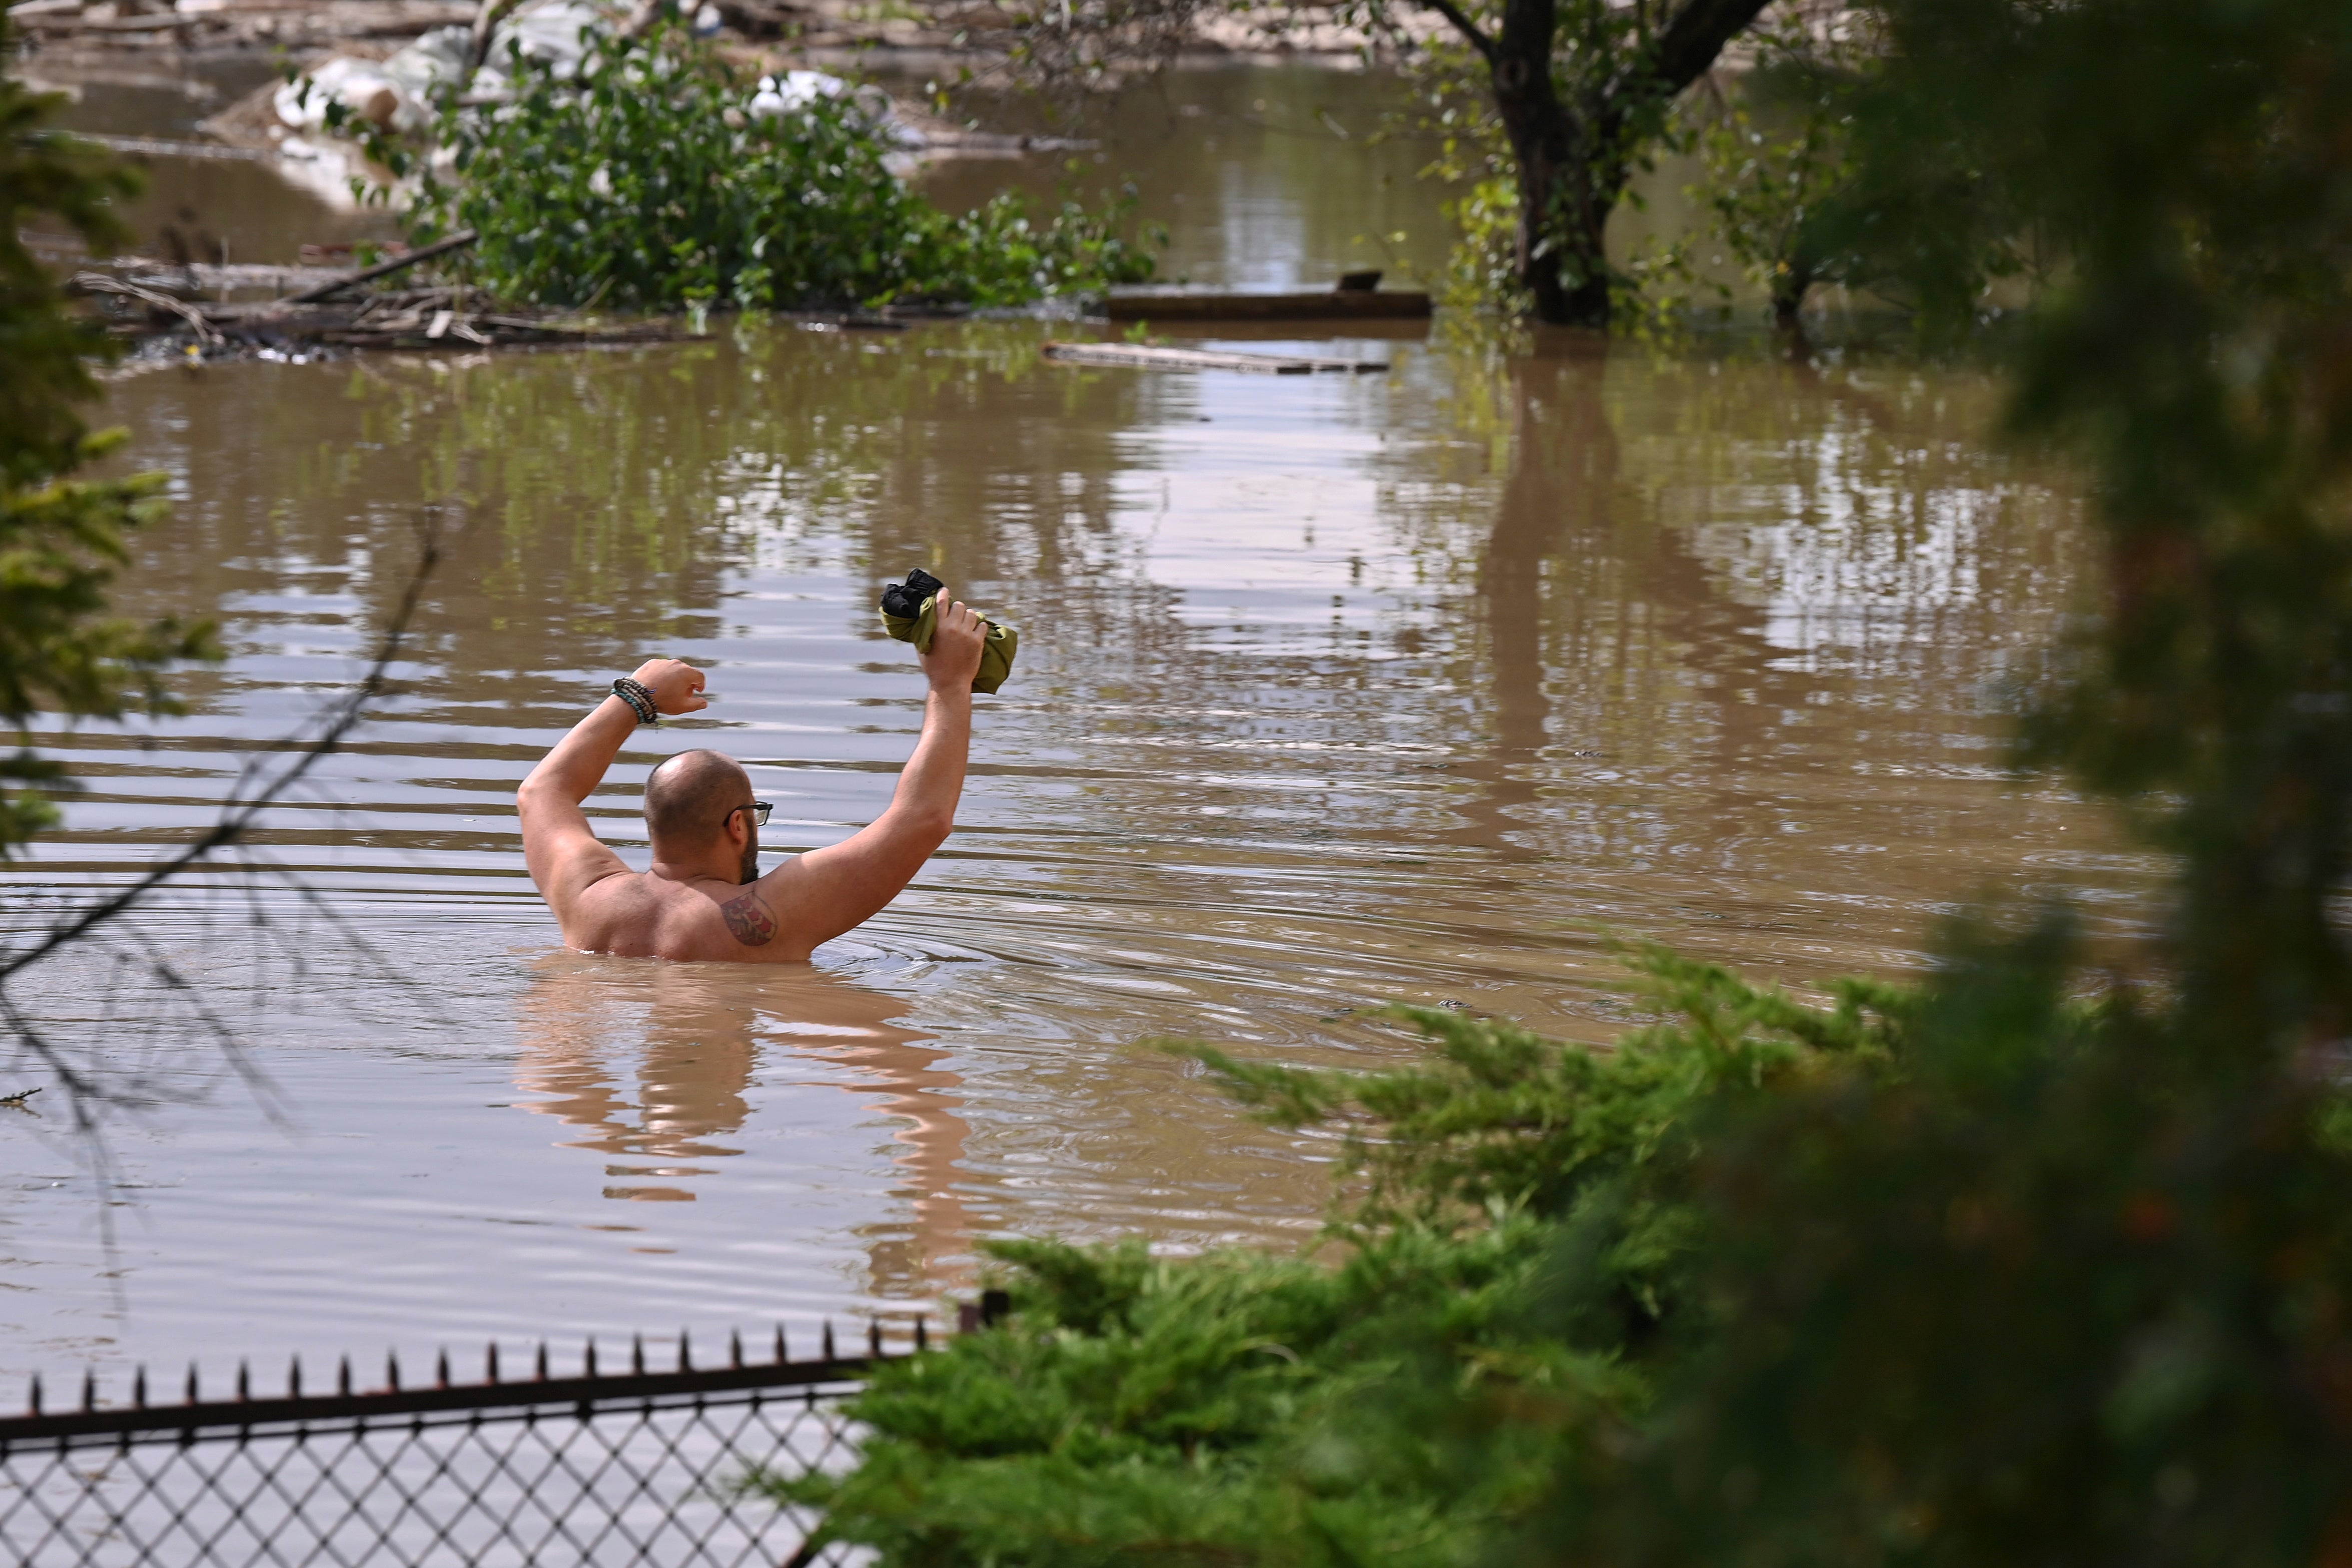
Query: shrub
{"points": [[647, 180], [1403, 1406], [61, 538]]}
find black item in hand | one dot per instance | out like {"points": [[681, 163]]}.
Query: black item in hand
{"points": [[906, 598]]}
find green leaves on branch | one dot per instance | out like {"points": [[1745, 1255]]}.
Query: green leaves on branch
{"points": [[1410, 1404], [649, 180], [1228, 1409], [48, 351], [61, 540], [1499, 1118]]}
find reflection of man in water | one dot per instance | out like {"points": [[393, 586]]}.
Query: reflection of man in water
{"points": [[698, 1040], [705, 898]]}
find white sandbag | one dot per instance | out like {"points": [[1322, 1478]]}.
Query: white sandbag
{"points": [[359, 85], [550, 33], [436, 59], [795, 90]]}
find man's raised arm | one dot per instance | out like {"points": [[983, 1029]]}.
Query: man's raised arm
{"points": [[562, 849], [827, 891]]}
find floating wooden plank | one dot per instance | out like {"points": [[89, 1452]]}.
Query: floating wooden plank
{"points": [[1326, 305], [1202, 359]]}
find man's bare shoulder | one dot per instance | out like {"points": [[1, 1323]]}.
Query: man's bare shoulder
{"points": [[638, 915]]}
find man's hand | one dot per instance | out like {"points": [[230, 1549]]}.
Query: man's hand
{"points": [[954, 658], [677, 685]]}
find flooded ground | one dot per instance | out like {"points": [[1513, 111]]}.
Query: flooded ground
{"points": [[1333, 691]]}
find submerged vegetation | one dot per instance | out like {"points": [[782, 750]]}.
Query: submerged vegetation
{"points": [[654, 176], [2030, 1260]]}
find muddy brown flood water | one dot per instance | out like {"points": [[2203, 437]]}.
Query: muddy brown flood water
{"points": [[1332, 692]]}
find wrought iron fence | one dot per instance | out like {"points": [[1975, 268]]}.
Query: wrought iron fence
{"points": [[631, 1465]]}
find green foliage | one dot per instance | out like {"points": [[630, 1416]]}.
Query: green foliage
{"points": [[2032, 1263], [1406, 1405], [1227, 1408], [645, 181], [1499, 1118], [2066, 1293], [1774, 159], [1482, 269], [2056, 1294], [47, 350], [61, 540]]}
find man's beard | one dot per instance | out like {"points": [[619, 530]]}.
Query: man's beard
{"points": [[751, 860]]}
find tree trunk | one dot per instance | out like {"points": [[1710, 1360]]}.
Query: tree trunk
{"points": [[1571, 175], [1572, 163], [1565, 198]]}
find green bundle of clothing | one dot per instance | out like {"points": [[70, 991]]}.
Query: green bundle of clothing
{"points": [[910, 612]]}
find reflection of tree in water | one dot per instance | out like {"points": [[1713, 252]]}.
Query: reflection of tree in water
{"points": [[608, 496], [706, 1029], [1713, 578]]}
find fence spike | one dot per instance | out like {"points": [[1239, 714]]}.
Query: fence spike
{"points": [[637, 1354], [89, 1389], [392, 1371], [139, 1388], [828, 1341], [873, 1336], [192, 1383], [591, 1362], [685, 1352], [343, 1376], [734, 1348], [294, 1377], [784, 1354], [441, 1369], [491, 1361], [542, 1360], [922, 1339], [33, 1396], [244, 1382]]}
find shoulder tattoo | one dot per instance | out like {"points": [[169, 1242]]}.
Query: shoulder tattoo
{"points": [[749, 918]]}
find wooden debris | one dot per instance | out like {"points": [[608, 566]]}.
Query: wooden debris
{"points": [[1331, 305], [457, 241], [1202, 359], [413, 318], [99, 284]]}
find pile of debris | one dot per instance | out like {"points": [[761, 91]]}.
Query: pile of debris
{"points": [[844, 31], [292, 123], [158, 309]]}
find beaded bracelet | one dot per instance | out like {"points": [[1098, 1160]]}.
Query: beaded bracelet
{"points": [[638, 698]]}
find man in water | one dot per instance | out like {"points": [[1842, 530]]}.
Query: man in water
{"points": [[705, 898]]}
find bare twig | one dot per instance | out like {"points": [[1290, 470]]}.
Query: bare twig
{"points": [[237, 819]]}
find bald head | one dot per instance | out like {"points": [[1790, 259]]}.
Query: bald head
{"points": [[689, 798]]}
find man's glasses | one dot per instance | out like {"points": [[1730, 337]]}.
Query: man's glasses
{"points": [[759, 810]]}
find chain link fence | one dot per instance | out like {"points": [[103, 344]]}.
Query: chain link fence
{"points": [[631, 1466]]}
